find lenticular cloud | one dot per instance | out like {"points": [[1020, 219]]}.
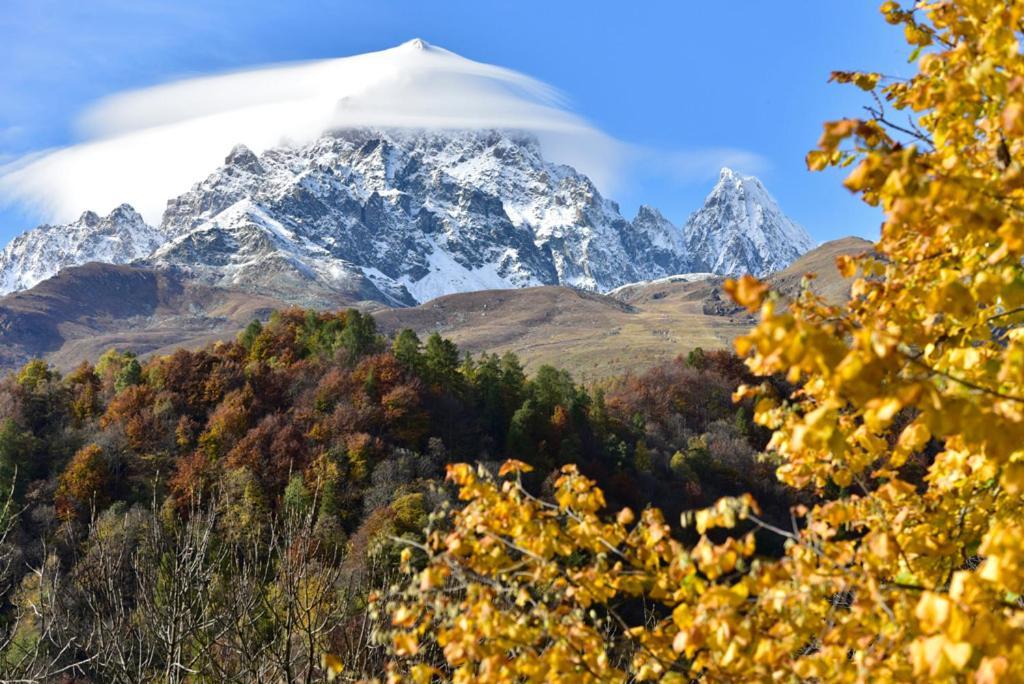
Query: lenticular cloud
{"points": [[145, 146]]}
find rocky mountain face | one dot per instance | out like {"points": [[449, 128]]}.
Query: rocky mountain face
{"points": [[414, 216], [119, 238], [740, 229], [401, 217]]}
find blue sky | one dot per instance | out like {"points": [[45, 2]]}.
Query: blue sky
{"points": [[680, 78]]}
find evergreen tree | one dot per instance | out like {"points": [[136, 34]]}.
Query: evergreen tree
{"points": [[297, 498], [487, 381], [523, 431], [513, 380], [248, 336], [359, 336], [697, 359], [16, 447], [441, 360], [407, 349]]}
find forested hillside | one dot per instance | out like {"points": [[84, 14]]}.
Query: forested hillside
{"points": [[227, 512]]}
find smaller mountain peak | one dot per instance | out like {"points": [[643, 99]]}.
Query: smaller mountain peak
{"points": [[242, 157], [728, 175], [124, 210], [89, 218], [730, 180], [648, 213]]}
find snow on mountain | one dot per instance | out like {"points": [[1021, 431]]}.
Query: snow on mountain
{"points": [[677, 278], [740, 229], [402, 216], [414, 215], [118, 238], [409, 173]]}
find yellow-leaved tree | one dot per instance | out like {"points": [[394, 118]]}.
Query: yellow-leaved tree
{"points": [[904, 574]]}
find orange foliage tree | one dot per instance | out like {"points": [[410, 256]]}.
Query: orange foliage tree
{"points": [[84, 484]]}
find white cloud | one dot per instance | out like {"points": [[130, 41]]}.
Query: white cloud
{"points": [[147, 146], [144, 147]]}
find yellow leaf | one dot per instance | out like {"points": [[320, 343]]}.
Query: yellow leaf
{"points": [[932, 611], [846, 265], [405, 644], [625, 517], [332, 665], [514, 466], [958, 653], [1013, 118], [991, 670], [1013, 477], [747, 291]]}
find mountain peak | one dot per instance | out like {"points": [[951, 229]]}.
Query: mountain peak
{"points": [[89, 218], [419, 213], [242, 157], [646, 212], [728, 176], [117, 238], [125, 211], [741, 229]]}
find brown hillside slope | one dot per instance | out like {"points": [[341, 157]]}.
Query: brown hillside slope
{"points": [[598, 336], [592, 335], [83, 311], [821, 262]]}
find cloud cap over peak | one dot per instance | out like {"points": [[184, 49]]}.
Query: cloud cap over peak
{"points": [[146, 146]]}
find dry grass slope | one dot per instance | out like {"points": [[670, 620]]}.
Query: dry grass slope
{"points": [[84, 311], [597, 336]]}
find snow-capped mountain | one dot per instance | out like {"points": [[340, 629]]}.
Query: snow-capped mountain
{"points": [[118, 238], [402, 216], [740, 229], [407, 175], [413, 215]]}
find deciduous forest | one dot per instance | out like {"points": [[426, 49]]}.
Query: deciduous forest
{"points": [[229, 512]]}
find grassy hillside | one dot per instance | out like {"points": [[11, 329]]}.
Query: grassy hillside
{"points": [[601, 336], [84, 311], [592, 336]]}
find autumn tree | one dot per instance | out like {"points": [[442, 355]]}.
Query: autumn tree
{"points": [[84, 485], [85, 387], [891, 574]]}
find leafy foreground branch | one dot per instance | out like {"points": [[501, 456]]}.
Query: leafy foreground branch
{"points": [[520, 587], [908, 424]]}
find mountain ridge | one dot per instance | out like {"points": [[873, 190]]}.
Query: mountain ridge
{"points": [[402, 216], [118, 238]]}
